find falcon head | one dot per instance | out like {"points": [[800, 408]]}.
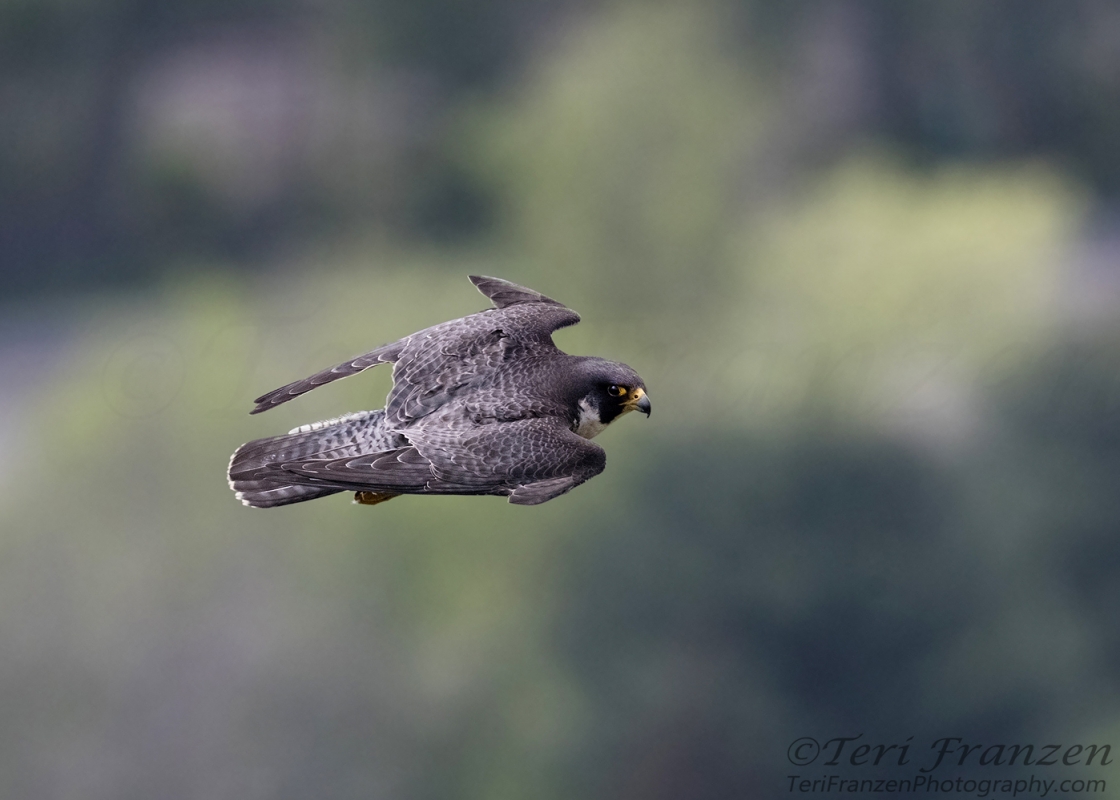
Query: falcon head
{"points": [[608, 390]]}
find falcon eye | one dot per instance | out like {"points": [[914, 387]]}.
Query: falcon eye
{"points": [[614, 390]]}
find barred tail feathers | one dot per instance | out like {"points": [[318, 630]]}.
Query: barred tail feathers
{"points": [[281, 495], [260, 485]]}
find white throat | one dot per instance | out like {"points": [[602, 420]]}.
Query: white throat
{"points": [[588, 425]]}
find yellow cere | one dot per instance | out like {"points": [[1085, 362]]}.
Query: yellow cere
{"points": [[635, 398]]}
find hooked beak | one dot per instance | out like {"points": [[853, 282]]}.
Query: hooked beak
{"points": [[643, 402]]}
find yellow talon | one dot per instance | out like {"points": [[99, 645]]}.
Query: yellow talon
{"points": [[373, 498]]}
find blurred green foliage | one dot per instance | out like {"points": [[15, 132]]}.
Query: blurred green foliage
{"points": [[606, 179], [723, 587], [140, 137], [876, 286]]}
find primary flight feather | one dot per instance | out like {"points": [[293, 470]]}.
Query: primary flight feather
{"points": [[483, 405]]}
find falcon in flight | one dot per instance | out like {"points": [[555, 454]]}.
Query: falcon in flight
{"points": [[486, 404]]}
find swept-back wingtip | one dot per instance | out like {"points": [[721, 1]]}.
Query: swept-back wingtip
{"points": [[503, 293], [264, 403]]}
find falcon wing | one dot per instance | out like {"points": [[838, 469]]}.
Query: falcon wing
{"points": [[530, 460], [533, 459], [435, 364], [382, 355], [432, 364], [503, 293]]}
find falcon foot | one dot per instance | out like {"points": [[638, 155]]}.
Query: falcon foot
{"points": [[373, 498]]}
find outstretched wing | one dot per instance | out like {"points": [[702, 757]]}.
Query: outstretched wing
{"points": [[382, 355], [504, 294], [433, 363], [437, 365], [530, 460]]}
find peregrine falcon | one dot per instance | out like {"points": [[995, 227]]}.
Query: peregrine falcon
{"points": [[483, 405]]}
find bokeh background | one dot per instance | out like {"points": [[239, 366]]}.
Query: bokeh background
{"points": [[865, 254]]}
